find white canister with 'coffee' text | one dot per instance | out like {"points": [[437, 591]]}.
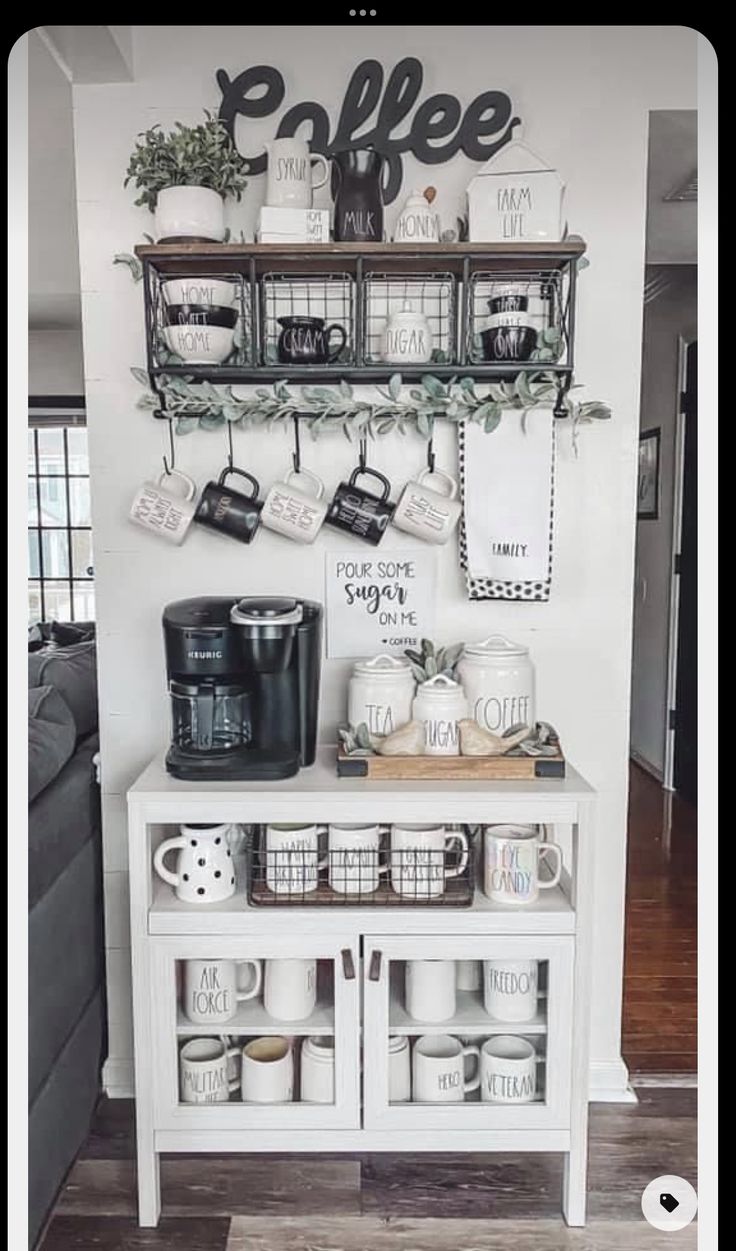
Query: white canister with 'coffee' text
{"points": [[498, 680]]}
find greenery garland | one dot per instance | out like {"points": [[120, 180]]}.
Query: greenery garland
{"points": [[194, 404]]}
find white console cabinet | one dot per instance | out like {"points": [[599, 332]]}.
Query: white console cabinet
{"points": [[361, 952]]}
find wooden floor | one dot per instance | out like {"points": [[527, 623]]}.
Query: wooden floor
{"points": [[660, 969], [381, 1202]]}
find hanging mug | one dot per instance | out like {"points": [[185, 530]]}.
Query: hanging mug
{"points": [[230, 512], [296, 514], [426, 513], [165, 507], [359, 513]]}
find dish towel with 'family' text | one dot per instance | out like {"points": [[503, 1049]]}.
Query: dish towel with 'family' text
{"points": [[507, 480]]}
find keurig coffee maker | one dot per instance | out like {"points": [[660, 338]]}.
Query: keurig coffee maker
{"points": [[244, 685]]}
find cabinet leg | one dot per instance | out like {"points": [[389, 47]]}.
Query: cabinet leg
{"points": [[149, 1185], [574, 1183]]}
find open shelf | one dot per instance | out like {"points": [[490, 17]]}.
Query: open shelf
{"points": [[552, 913], [470, 1018], [252, 1018]]}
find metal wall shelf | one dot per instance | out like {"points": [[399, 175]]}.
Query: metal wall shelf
{"points": [[549, 268]]}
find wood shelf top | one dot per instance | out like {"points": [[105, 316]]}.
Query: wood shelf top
{"points": [[564, 249], [222, 258]]}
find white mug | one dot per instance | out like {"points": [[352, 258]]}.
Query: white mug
{"points": [[512, 856], [399, 1069], [296, 514], [289, 181], [418, 859], [354, 859], [204, 867], [318, 1070], [203, 1071], [428, 514], [292, 858], [430, 990], [267, 1071], [290, 989], [211, 993], [438, 1069], [166, 507], [510, 989], [469, 974], [508, 1070]]}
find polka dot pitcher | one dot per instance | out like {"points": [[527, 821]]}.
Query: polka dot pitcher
{"points": [[205, 872]]}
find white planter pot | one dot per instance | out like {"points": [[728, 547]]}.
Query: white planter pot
{"points": [[190, 213]]}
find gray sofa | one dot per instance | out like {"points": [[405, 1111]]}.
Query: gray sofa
{"points": [[65, 922]]}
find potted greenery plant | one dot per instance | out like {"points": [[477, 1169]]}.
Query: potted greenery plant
{"points": [[184, 176]]}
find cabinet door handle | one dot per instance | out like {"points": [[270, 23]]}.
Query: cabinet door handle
{"points": [[374, 972], [348, 965]]}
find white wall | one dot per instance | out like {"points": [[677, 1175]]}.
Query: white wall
{"points": [[55, 365], [584, 94], [53, 253], [670, 316], [672, 225]]}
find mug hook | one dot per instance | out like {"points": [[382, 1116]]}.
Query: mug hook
{"points": [[431, 458], [363, 453], [229, 445], [297, 455], [169, 467]]}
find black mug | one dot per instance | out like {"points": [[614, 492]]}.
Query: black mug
{"points": [[306, 341], [359, 513], [230, 512]]}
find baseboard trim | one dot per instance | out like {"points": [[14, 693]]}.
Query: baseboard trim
{"points": [[608, 1081], [673, 1081], [118, 1079], [646, 765]]}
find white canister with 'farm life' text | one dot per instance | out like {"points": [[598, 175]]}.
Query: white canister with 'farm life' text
{"points": [[498, 680]]}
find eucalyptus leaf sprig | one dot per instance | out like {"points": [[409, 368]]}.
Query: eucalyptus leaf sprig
{"points": [[326, 409], [191, 156]]}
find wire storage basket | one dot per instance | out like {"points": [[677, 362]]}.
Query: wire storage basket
{"points": [[433, 295], [199, 319], [329, 298], [361, 877], [515, 318]]}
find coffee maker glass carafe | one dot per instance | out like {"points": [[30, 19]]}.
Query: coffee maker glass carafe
{"points": [[207, 717]]}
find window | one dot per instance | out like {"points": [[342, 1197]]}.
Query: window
{"points": [[60, 565]]}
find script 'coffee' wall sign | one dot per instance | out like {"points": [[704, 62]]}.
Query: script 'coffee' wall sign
{"points": [[485, 126], [379, 604]]}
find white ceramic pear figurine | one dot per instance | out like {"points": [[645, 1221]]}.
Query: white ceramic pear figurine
{"points": [[406, 741], [476, 741]]}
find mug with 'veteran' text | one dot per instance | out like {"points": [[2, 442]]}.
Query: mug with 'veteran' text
{"points": [[512, 858], [508, 1070]]}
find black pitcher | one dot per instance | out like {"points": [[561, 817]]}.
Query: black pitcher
{"points": [[356, 186]]}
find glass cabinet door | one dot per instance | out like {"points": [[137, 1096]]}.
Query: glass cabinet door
{"points": [[467, 1032], [256, 1032]]}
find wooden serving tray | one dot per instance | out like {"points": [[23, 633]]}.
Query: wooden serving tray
{"points": [[513, 768]]}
